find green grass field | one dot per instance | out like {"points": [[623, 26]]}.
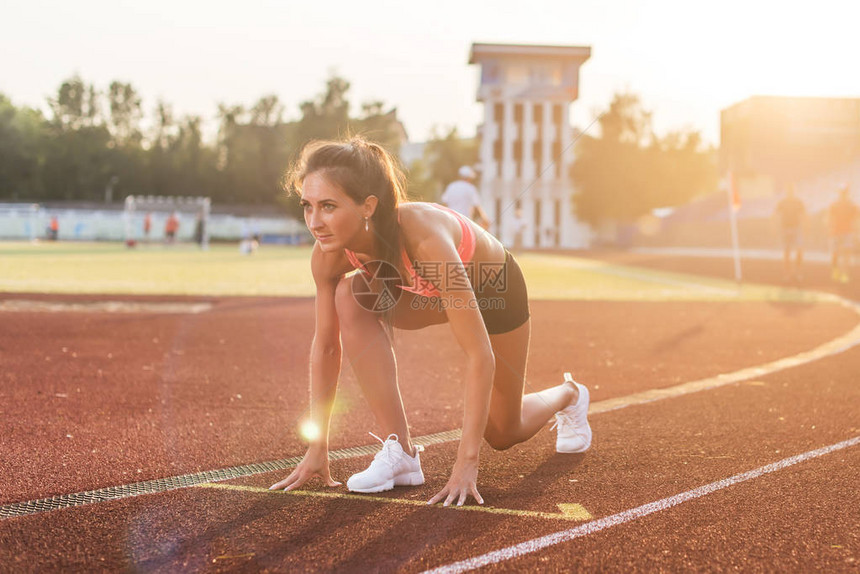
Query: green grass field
{"points": [[111, 268]]}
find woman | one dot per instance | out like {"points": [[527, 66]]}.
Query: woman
{"points": [[355, 206]]}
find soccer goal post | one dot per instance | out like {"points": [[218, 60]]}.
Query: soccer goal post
{"points": [[168, 218]]}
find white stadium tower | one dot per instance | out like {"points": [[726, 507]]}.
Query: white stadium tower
{"points": [[527, 141]]}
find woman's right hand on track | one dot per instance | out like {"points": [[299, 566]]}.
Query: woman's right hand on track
{"points": [[314, 463]]}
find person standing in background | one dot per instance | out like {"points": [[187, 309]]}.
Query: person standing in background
{"points": [[462, 196], [171, 226], [54, 228], [199, 229], [147, 226], [841, 217], [792, 215]]}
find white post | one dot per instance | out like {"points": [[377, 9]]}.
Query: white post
{"points": [[33, 221], [128, 213], [207, 205], [733, 218]]}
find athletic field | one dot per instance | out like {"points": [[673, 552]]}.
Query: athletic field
{"points": [[150, 396]]}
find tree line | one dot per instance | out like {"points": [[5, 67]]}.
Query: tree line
{"points": [[96, 142]]}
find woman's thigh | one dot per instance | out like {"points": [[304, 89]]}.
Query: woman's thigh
{"points": [[511, 351]]}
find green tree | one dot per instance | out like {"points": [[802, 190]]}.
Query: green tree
{"points": [[420, 186], [626, 121], [327, 115], [22, 150], [161, 140], [76, 105], [628, 170], [380, 126], [77, 163], [266, 136], [444, 154], [193, 163], [253, 151], [683, 168], [229, 152], [125, 114]]}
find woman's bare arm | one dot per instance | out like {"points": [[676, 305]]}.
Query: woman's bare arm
{"points": [[436, 247], [325, 362]]}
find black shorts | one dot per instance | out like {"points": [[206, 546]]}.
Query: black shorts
{"points": [[502, 297]]}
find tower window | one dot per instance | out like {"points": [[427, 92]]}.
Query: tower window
{"points": [[497, 150], [518, 113], [518, 156]]}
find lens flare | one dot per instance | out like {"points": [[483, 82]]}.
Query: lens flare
{"points": [[309, 431]]}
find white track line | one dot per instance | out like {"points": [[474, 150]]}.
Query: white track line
{"points": [[30, 306], [536, 544], [833, 347]]}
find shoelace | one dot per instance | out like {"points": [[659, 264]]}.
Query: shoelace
{"points": [[564, 419], [388, 447], [386, 454]]}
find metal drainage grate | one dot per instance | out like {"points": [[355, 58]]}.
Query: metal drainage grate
{"points": [[186, 480]]}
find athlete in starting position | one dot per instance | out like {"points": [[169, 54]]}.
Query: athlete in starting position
{"points": [[354, 204]]}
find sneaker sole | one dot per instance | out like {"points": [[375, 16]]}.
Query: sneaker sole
{"points": [[406, 479], [388, 485], [409, 479], [574, 450]]}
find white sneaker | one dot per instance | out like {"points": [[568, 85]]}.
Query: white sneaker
{"points": [[390, 467], [574, 433]]}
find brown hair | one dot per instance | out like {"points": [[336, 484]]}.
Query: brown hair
{"points": [[361, 169]]}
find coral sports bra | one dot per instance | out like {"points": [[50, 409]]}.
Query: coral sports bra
{"points": [[420, 285]]}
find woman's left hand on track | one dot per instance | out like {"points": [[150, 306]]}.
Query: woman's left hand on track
{"points": [[461, 485], [314, 464]]}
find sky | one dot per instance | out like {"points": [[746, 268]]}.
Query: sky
{"points": [[686, 60]]}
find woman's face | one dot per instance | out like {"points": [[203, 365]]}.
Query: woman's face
{"points": [[331, 215]]}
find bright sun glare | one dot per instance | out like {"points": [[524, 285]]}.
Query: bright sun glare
{"points": [[309, 430]]}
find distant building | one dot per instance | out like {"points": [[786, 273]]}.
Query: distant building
{"points": [[526, 140], [771, 141]]}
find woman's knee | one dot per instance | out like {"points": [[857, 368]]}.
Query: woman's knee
{"points": [[499, 440], [349, 311]]}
